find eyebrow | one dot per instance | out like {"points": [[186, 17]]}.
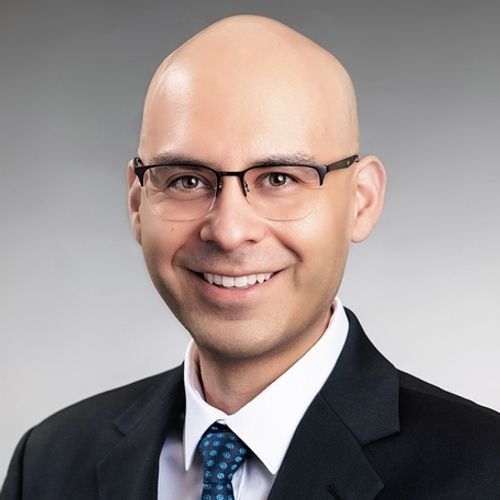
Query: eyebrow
{"points": [[278, 159]]}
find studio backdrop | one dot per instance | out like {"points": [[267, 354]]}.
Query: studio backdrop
{"points": [[78, 314]]}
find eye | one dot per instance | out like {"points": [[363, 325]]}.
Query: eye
{"points": [[282, 180], [187, 182], [277, 179], [182, 180]]}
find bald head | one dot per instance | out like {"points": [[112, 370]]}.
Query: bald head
{"points": [[248, 91], [246, 73]]}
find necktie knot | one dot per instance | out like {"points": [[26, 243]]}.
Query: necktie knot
{"points": [[222, 453]]}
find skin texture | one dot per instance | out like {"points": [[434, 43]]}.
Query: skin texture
{"points": [[244, 89]]}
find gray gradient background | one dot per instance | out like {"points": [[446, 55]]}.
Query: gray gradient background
{"points": [[78, 314]]}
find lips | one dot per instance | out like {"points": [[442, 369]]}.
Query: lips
{"points": [[236, 281]]}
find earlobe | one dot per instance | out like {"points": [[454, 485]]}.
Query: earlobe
{"points": [[134, 202], [371, 180]]}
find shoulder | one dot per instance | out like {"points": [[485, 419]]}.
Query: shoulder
{"points": [[417, 390], [59, 455], [444, 446], [447, 420], [92, 420], [109, 404]]}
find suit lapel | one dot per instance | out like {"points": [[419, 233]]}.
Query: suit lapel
{"points": [[325, 461], [357, 405], [130, 470]]}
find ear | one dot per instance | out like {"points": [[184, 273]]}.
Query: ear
{"points": [[134, 201], [371, 179]]}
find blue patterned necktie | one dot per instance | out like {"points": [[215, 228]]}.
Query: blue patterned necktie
{"points": [[222, 452]]}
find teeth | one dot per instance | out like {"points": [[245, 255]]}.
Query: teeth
{"points": [[236, 281], [240, 281], [227, 281]]}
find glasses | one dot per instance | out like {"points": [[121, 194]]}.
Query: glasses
{"points": [[180, 192]]}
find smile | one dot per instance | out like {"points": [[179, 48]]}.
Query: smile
{"points": [[236, 281]]}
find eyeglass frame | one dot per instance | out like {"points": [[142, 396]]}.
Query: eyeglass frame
{"points": [[140, 169]]}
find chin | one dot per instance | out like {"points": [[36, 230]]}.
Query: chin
{"points": [[235, 342]]}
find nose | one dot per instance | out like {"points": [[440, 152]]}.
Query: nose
{"points": [[232, 222]]}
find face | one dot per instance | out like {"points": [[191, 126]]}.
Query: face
{"points": [[228, 127]]}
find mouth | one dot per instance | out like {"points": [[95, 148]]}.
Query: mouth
{"points": [[243, 281]]}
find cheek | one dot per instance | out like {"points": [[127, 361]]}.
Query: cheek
{"points": [[160, 241], [321, 243]]}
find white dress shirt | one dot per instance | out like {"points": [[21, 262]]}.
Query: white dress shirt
{"points": [[266, 423]]}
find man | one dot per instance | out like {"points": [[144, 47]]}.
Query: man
{"points": [[245, 196]]}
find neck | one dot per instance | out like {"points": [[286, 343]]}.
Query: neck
{"points": [[229, 384]]}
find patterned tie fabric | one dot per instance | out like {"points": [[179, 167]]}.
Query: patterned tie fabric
{"points": [[222, 452]]}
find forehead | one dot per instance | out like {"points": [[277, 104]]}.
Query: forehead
{"points": [[234, 107]]}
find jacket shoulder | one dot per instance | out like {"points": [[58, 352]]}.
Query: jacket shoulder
{"points": [[103, 407], [88, 428], [62, 450], [448, 423], [426, 391], [446, 446]]}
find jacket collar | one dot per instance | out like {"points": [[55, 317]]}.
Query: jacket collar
{"points": [[357, 405]]}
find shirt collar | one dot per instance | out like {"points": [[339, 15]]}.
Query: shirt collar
{"points": [[267, 422]]}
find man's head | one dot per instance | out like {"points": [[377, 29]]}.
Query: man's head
{"points": [[248, 90]]}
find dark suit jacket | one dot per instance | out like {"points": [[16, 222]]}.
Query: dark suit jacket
{"points": [[371, 432]]}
